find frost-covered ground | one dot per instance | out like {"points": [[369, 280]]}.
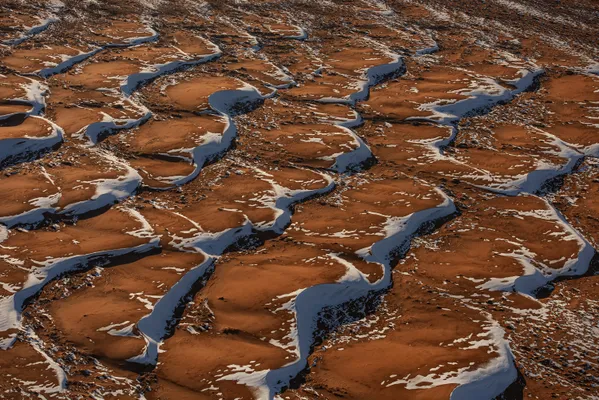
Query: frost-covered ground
{"points": [[299, 200]]}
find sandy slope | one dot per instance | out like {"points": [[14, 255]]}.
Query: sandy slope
{"points": [[298, 200]]}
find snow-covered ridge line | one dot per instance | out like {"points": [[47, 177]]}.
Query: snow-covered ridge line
{"points": [[502, 372], [15, 150], [479, 99], [534, 12], [354, 159], [534, 181], [34, 97], [492, 379], [154, 326], [12, 306], [530, 183], [534, 278], [486, 382], [108, 125], [428, 50], [61, 376], [134, 81], [72, 61], [96, 131], [18, 149], [361, 155], [35, 30], [302, 34], [372, 77], [112, 191], [307, 304], [51, 16], [227, 104], [108, 192], [479, 102]]}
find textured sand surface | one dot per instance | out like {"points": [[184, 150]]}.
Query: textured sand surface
{"points": [[299, 199]]}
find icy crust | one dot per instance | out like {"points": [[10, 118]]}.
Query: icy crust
{"points": [[12, 306], [154, 326], [306, 304], [13, 150]]}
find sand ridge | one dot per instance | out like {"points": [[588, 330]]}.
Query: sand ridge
{"points": [[260, 200]]}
